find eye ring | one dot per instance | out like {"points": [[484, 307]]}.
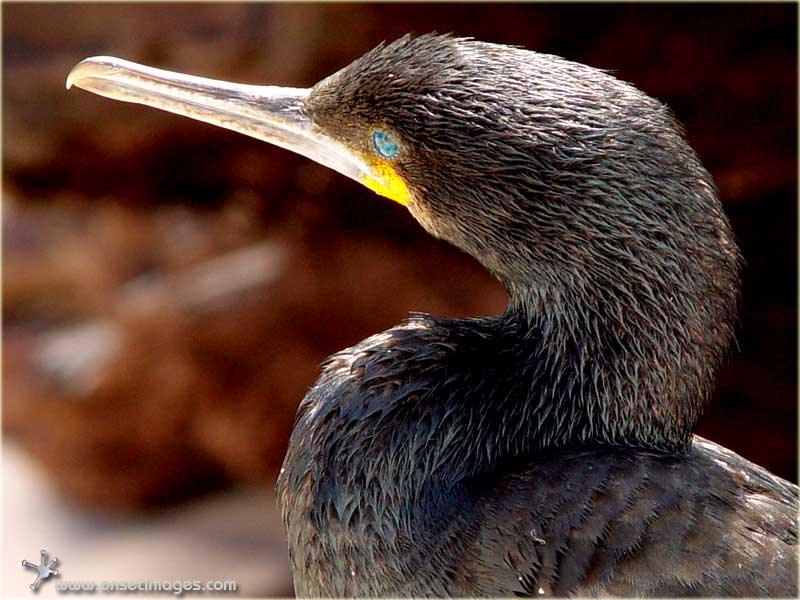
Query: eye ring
{"points": [[384, 143]]}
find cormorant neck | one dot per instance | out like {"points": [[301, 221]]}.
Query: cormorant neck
{"points": [[612, 365]]}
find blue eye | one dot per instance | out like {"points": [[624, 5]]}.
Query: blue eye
{"points": [[384, 144]]}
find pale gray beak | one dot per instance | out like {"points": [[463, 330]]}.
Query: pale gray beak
{"points": [[273, 114]]}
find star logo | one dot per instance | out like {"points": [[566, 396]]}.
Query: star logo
{"points": [[43, 570]]}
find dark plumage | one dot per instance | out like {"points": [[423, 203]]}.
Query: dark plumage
{"points": [[548, 450]]}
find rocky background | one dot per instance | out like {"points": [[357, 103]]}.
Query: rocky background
{"points": [[169, 288]]}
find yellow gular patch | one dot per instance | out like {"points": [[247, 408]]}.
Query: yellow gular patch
{"points": [[388, 183]]}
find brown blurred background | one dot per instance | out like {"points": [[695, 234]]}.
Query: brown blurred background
{"points": [[170, 288]]}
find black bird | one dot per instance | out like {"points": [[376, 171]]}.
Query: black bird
{"points": [[547, 450]]}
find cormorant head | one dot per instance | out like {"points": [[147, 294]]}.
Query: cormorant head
{"points": [[555, 175], [576, 190]]}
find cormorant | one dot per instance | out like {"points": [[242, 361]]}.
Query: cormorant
{"points": [[547, 450]]}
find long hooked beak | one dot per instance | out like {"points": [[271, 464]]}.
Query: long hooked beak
{"points": [[273, 114]]}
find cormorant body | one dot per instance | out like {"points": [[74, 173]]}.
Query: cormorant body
{"points": [[415, 470], [547, 450]]}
